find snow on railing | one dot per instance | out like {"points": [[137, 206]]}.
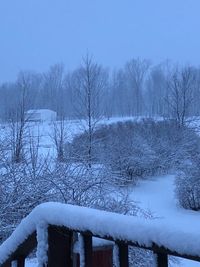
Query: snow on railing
{"points": [[44, 224]]}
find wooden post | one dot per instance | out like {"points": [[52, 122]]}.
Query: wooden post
{"points": [[123, 255], [20, 261], [87, 242], [60, 247], [161, 260]]}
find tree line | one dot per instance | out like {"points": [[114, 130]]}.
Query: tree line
{"points": [[139, 88]]}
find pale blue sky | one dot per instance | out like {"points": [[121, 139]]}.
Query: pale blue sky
{"points": [[35, 34]]}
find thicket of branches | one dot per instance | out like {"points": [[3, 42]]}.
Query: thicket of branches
{"points": [[22, 189], [133, 150], [188, 184], [35, 178]]}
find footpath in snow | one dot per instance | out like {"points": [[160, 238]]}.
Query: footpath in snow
{"points": [[157, 196]]}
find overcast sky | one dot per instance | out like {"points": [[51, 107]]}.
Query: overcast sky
{"points": [[35, 34]]}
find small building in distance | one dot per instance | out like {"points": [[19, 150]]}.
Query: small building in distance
{"points": [[40, 115]]}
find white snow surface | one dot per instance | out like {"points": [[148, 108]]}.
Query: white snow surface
{"points": [[180, 237], [31, 262]]}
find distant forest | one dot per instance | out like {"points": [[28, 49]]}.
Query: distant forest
{"points": [[138, 88]]}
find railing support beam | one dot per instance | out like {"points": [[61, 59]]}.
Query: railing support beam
{"points": [[7, 264], [123, 255], [161, 260], [59, 247], [20, 262], [87, 243]]}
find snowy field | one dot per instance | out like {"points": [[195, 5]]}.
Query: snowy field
{"points": [[155, 195]]}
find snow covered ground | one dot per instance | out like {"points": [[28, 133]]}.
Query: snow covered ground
{"points": [[157, 195]]}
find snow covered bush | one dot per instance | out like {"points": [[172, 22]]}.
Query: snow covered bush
{"points": [[19, 195], [187, 182], [188, 186], [78, 185], [120, 148], [132, 150], [23, 187], [22, 182]]}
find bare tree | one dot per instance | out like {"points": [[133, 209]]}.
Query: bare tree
{"points": [[180, 93], [52, 93], [18, 119], [36, 164], [59, 137], [89, 84], [118, 97], [136, 70], [156, 88]]}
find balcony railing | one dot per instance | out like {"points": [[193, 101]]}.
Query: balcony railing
{"points": [[50, 228]]}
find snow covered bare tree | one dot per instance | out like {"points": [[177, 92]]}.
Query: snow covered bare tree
{"points": [[180, 93], [89, 82], [136, 71], [59, 137], [18, 119]]}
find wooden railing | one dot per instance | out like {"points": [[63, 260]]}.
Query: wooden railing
{"points": [[60, 248]]}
